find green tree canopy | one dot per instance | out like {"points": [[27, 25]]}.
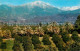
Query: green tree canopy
{"points": [[59, 42], [46, 40], [66, 37], [27, 43], [74, 47], [77, 24], [75, 36], [35, 39], [16, 46]]}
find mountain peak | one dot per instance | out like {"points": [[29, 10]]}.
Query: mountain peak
{"points": [[39, 4]]}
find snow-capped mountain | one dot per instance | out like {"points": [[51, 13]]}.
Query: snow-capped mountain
{"points": [[37, 11], [38, 4], [70, 8]]}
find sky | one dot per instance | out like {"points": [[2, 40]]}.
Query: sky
{"points": [[57, 3]]}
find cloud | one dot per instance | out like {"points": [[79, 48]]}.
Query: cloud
{"points": [[70, 8]]}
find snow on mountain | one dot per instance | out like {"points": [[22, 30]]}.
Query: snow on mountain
{"points": [[38, 4], [70, 8], [38, 11]]}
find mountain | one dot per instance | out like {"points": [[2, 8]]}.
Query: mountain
{"points": [[36, 12]]}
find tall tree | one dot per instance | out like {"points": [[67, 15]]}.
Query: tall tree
{"points": [[74, 47], [59, 42], [16, 46], [66, 37], [35, 41], [40, 24], [77, 24], [46, 40], [27, 43], [75, 36]]}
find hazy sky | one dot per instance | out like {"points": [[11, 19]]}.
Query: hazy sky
{"points": [[57, 3]]}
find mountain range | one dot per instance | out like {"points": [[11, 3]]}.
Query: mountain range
{"points": [[36, 12]]}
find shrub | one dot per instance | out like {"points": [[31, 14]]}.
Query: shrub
{"points": [[36, 42], [16, 46], [77, 24], [27, 43], [35, 39], [66, 37], [74, 47], [46, 40], [75, 36], [56, 38], [3, 45], [18, 38], [59, 42]]}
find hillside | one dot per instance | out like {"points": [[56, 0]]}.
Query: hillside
{"points": [[36, 12]]}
